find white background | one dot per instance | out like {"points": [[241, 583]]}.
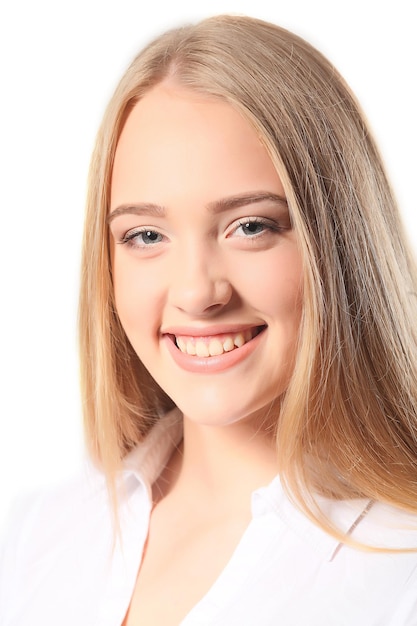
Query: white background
{"points": [[59, 64]]}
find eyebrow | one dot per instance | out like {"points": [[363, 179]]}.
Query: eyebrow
{"points": [[244, 199], [217, 206], [141, 208]]}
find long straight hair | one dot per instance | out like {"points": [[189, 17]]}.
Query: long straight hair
{"points": [[347, 425]]}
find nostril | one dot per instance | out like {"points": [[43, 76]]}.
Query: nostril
{"points": [[200, 297]]}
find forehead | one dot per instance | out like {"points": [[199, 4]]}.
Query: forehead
{"points": [[176, 139]]}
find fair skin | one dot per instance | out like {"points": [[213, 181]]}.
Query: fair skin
{"points": [[207, 276]]}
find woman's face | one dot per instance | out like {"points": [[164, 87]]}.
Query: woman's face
{"points": [[207, 270]]}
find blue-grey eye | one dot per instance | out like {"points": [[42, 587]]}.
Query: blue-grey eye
{"points": [[252, 228], [149, 236]]}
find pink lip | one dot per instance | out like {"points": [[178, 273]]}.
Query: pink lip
{"points": [[212, 364], [208, 331]]}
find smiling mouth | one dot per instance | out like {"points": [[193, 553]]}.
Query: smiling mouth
{"points": [[215, 345]]}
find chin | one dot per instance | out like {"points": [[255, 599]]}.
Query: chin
{"points": [[220, 411]]}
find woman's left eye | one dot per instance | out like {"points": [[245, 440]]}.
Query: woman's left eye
{"points": [[254, 227]]}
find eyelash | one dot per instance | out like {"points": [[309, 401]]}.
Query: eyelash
{"points": [[132, 238], [268, 226]]}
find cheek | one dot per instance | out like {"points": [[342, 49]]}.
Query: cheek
{"points": [[274, 284], [281, 297], [136, 297]]}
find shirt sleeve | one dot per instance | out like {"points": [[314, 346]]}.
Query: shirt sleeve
{"points": [[405, 612], [11, 548]]}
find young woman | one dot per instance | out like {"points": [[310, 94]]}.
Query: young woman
{"points": [[248, 354]]}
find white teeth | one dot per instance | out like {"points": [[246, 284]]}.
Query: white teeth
{"points": [[181, 344], [239, 340], [214, 347], [228, 344], [190, 348], [201, 348]]}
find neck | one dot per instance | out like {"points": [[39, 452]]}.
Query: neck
{"points": [[222, 464]]}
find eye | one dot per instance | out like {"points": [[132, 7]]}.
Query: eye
{"points": [[251, 227], [141, 237]]}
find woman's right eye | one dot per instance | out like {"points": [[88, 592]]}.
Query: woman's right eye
{"points": [[141, 237]]}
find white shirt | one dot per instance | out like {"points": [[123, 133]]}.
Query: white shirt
{"points": [[61, 566]]}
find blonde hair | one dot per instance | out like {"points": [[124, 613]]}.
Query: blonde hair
{"points": [[348, 424]]}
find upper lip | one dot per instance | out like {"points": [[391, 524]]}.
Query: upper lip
{"points": [[208, 331]]}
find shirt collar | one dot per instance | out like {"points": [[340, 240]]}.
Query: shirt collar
{"points": [[345, 515], [146, 461]]}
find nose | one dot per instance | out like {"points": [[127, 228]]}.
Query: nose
{"points": [[199, 286]]}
